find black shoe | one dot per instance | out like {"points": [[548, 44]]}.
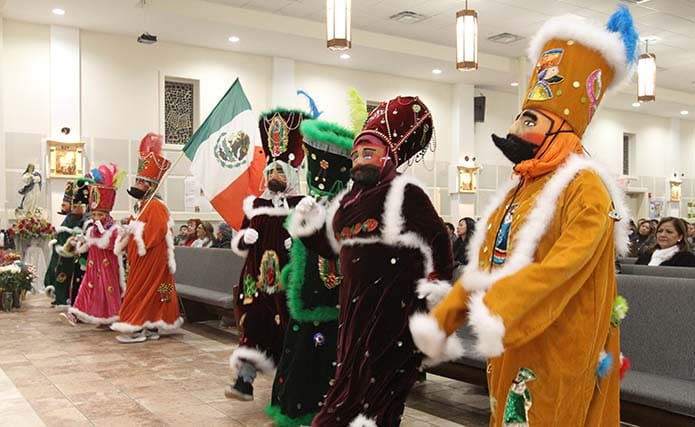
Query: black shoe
{"points": [[241, 390]]}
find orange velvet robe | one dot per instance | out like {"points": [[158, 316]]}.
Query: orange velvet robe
{"points": [[150, 298], [543, 317]]}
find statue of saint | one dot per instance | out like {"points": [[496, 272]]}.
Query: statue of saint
{"points": [[31, 190]]}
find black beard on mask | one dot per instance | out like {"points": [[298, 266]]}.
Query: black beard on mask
{"points": [[366, 175], [276, 186], [136, 193], [514, 148]]}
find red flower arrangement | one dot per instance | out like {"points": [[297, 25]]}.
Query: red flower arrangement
{"points": [[32, 228]]}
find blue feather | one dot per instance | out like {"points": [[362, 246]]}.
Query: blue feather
{"points": [[621, 22], [315, 113], [605, 364], [96, 175]]}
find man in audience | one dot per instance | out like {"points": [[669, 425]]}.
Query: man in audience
{"points": [[391, 241], [540, 286], [182, 236], [224, 236], [261, 308], [691, 234]]}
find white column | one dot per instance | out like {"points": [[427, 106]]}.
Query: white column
{"points": [[463, 136], [283, 87], [65, 101], [3, 186]]}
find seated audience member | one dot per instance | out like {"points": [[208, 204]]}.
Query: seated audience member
{"points": [[193, 224], [672, 248], [452, 231], [643, 239], [224, 236], [205, 234], [464, 232], [182, 236], [633, 229], [691, 234]]}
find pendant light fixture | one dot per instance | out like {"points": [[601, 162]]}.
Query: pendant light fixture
{"points": [[646, 76], [338, 23], [466, 39]]}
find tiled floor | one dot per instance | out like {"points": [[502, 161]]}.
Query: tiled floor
{"points": [[56, 375]]}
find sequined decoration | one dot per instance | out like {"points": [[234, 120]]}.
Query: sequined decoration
{"points": [[164, 290], [249, 289], [278, 135], [593, 90], [268, 279], [329, 272], [518, 400], [319, 340]]}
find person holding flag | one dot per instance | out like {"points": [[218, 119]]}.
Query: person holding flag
{"points": [[261, 312], [150, 302]]}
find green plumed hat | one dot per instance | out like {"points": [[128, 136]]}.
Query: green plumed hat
{"points": [[328, 147]]}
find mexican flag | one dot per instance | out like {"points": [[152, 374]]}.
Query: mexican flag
{"points": [[227, 156]]}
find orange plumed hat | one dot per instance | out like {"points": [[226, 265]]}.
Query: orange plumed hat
{"points": [[151, 164]]}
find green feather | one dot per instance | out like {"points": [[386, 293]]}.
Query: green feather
{"points": [[327, 132], [358, 110], [620, 309]]}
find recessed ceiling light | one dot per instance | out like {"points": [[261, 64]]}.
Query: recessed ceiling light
{"points": [[636, 104], [684, 113], [436, 71], [58, 11], [345, 56], [513, 84], [233, 39]]}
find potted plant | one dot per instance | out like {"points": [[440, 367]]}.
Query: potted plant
{"points": [[15, 279]]}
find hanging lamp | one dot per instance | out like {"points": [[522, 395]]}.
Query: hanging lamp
{"points": [[338, 23], [466, 39], [646, 76]]}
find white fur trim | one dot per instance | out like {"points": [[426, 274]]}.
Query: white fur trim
{"points": [[259, 359], [453, 349], [121, 241], [91, 319], [330, 215], [52, 243], [121, 273], [101, 242], [50, 291], [251, 211], [304, 225], [169, 238], [129, 328], [433, 291], [137, 228], [63, 229], [61, 251], [235, 244], [534, 228], [363, 421], [609, 44], [427, 336], [488, 327]]}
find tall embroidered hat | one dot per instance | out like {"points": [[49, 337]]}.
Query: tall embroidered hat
{"points": [[280, 135], [80, 193], [102, 194], [151, 164], [404, 124], [328, 163], [577, 62], [67, 195]]}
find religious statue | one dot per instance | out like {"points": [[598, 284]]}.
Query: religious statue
{"points": [[31, 190]]}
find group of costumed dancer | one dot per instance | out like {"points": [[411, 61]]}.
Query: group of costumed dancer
{"points": [[87, 271], [346, 294]]}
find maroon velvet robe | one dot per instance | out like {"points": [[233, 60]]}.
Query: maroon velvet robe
{"points": [[261, 309], [388, 240]]}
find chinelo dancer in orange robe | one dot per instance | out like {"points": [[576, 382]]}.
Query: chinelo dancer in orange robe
{"points": [[150, 302]]}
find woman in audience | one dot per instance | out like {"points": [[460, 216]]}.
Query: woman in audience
{"points": [[643, 239], [193, 224], [205, 234], [224, 236], [672, 248], [464, 232], [452, 231]]}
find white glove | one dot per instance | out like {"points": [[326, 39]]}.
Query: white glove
{"points": [[288, 243], [306, 205], [250, 236]]}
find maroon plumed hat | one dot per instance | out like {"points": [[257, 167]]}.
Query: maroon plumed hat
{"points": [[404, 124]]}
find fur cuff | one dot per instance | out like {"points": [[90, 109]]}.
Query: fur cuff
{"points": [[86, 318], [304, 225], [235, 244], [171, 258], [488, 327], [453, 349], [433, 291], [50, 291], [60, 250], [427, 335], [363, 421], [138, 229], [129, 328], [259, 359]]}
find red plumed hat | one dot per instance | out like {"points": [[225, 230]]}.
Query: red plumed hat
{"points": [[151, 164]]}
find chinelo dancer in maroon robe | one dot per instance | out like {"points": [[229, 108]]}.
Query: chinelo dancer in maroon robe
{"points": [[261, 309], [392, 244]]}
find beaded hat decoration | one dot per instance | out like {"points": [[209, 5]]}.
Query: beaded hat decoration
{"points": [[151, 164], [328, 148], [102, 194], [280, 135]]}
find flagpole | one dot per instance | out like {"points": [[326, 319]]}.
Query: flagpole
{"points": [[154, 192]]}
